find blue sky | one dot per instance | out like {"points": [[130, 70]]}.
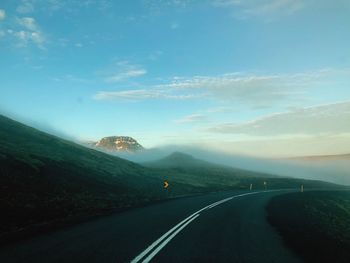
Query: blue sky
{"points": [[255, 77]]}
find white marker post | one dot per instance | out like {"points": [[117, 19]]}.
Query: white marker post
{"points": [[251, 187], [302, 188]]}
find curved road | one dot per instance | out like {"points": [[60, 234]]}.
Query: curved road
{"points": [[220, 227]]}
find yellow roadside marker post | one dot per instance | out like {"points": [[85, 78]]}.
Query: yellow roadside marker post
{"points": [[166, 184], [166, 188]]}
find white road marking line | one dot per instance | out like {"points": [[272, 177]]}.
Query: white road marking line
{"points": [[155, 243], [166, 241], [218, 203], [181, 225]]}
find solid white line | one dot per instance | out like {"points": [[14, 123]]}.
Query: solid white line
{"points": [[184, 223], [155, 243], [155, 252], [218, 203]]}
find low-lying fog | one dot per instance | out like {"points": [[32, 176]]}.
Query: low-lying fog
{"points": [[335, 170]]}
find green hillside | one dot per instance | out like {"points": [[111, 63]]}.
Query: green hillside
{"points": [[187, 169], [45, 180]]}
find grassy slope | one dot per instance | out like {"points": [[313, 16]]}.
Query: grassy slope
{"points": [[45, 180], [316, 225], [187, 169]]}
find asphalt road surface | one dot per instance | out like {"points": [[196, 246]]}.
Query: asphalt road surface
{"points": [[220, 227]]}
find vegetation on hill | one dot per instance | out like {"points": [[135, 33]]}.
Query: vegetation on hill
{"points": [[46, 181], [189, 170], [316, 224]]}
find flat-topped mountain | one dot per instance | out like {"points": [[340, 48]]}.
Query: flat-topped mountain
{"points": [[118, 143]]}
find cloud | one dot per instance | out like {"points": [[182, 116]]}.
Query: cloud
{"points": [[252, 90], [131, 73], [29, 32], [226, 3], [156, 5], [28, 6], [284, 6], [155, 55], [318, 120], [28, 23], [191, 119], [2, 14], [25, 7], [71, 78], [137, 95], [264, 8], [123, 70]]}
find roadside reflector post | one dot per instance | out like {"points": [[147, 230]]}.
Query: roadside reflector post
{"points": [[251, 187], [302, 188]]}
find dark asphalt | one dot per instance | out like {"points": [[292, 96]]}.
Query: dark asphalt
{"points": [[234, 231]]}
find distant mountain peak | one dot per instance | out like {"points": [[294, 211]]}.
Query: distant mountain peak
{"points": [[119, 144]]}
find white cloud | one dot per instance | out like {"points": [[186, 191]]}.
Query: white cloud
{"points": [[28, 22], [26, 36], [123, 70], [156, 5], [2, 14], [275, 6], [155, 55], [131, 73], [226, 3], [318, 120], [28, 32], [25, 7], [191, 119], [262, 8], [252, 90], [137, 95]]}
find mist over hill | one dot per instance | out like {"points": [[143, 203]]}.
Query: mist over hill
{"points": [[46, 180], [333, 168]]}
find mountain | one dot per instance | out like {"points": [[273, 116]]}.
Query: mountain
{"points": [[183, 161], [185, 168], [46, 181], [118, 143]]}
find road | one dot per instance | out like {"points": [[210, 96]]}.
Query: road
{"points": [[220, 227]]}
